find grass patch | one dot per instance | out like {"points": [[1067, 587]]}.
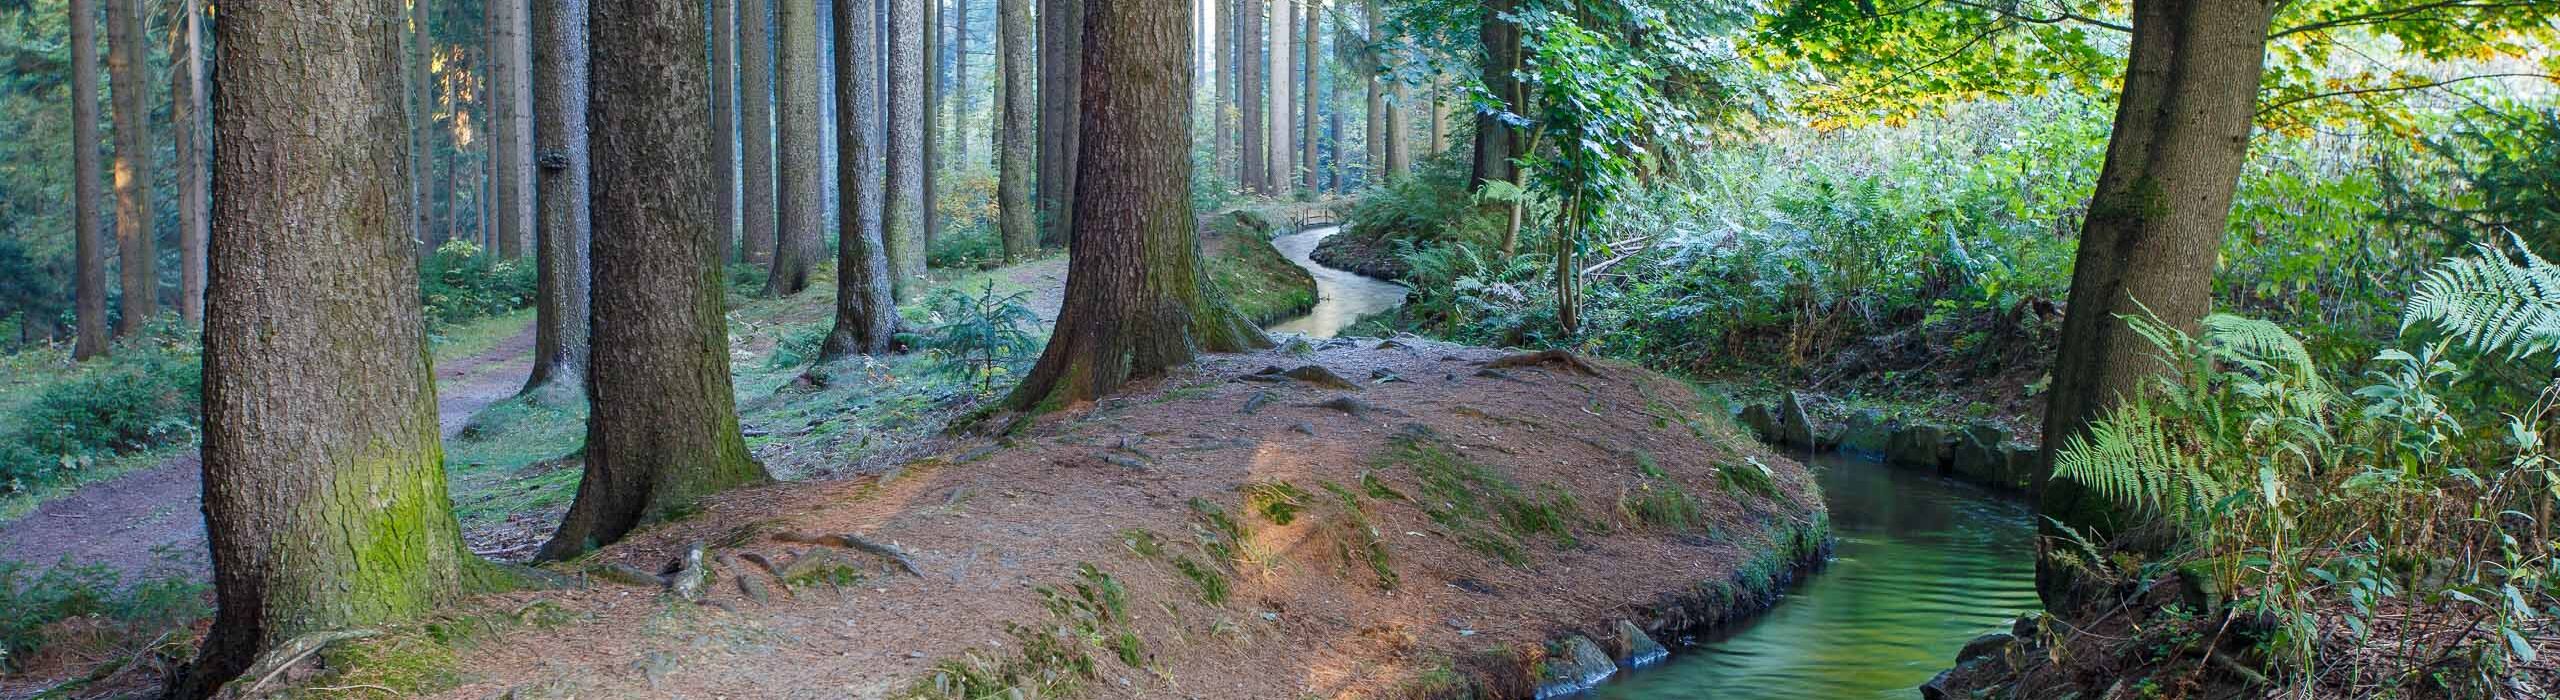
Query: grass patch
{"points": [[1481, 507], [1748, 477], [1255, 277], [455, 342], [1053, 658], [516, 456]]}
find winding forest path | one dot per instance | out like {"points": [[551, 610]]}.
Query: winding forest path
{"points": [[149, 523]]}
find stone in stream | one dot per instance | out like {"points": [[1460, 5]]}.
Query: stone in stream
{"points": [[1795, 425], [1637, 649], [1575, 664], [1867, 435], [1982, 455], [1757, 418], [1917, 444]]}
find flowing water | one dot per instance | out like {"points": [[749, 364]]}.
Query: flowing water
{"points": [[1342, 296], [1923, 564]]}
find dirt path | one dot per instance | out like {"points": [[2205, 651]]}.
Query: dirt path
{"points": [[148, 523]]}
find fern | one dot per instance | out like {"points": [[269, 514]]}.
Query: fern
{"points": [[2137, 456], [2493, 302]]}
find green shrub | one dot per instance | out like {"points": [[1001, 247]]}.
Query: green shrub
{"points": [[981, 336], [144, 394], [29, 604], [460, 282]]}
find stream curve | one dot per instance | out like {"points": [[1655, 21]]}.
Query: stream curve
{"points": [[1343, 297]]}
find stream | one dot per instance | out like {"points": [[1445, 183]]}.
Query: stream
{"points": [[1342, 296], [1923, 564]]}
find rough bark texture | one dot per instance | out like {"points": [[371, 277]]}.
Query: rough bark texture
{"points": [[1015, 219], [936, 85], [1223, 81], [420, 109], [190, 114], [1061, 49], [1135, 300], [2155, 223], [956, 142], [724, 121], [866, 313], [662, 421], [1496, 143], [1280, 168], [800, 162], [1310, 44], [510, 144], [1399, 131], [1257, 149], [137, 251], [1374, 143], [755, 100], [561, 283], [90, 340], [324, 488], [902, 212]]}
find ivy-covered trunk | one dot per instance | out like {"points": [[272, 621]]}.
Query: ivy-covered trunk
{"points": [[561, 282], [866, 317], [662, 424], [1136, 301], [324, 487], [2154, 225]]}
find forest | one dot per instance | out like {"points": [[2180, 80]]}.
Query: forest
{"points": [[971, 349]]}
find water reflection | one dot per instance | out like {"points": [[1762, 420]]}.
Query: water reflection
{"points": [[1923, 564], [1342, 296]]}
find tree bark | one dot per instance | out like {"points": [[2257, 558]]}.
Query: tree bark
{"points": [[189, 111], [324, 487], [1310, 45], [936, 86], [800, 163], [420, 110], [1374, 142], [756, 101], [662, 421], [1223, 84], [1399, 131], [1280, 171], [89, 238], [724, 123], [1250, 52], [2155, 224], [1015, 218], [562, 282], [512, 144], [1062, 48], [903, 213], [1496, 142], [136, 247], [957, 145], [1136, 302], [866, 308]]}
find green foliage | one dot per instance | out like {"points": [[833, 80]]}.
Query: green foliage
{"points": [[1748, 477], [797, 345], [460, 282], [31, 605], [982, 336], [2496, 301], [143, 394]]}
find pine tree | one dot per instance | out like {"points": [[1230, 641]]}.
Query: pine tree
{"points": [[137, 250], [866, 313], [90, 340], [799, 163], [562, 283]]}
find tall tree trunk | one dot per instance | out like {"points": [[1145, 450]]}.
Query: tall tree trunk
{"points": [[1222, 79], [562, 282], [800, 163], [1015, 219], [1311, 47], [1439, 118], [662, 421], [136, 247], [1250, 52], [2154, 227], [89, 240], [958, 138], [520, 42], [1496, 142], [1374, 141], [324, 486], [1399, 131], [866, 308], [1337, 174], [756, 102], [192, 184], [1136, 300], [1062, 49], [902, 218], [510, 100], [724, 123], [416, 100], [1281, 170], [936, 86]]}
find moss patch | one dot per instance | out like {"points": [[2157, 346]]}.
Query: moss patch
{"points": [[1482, 507]]}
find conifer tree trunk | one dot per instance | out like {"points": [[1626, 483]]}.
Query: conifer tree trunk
{"points": [[510, 101], [192, 185], [1399, 130], [136, 247], [800, 162], [420, 112], [561, 282], [724, 123], [1015, 219], [1374, 141], [957, 141], [936, 86], [1136, 300], [1062, 44], [90, 246], [866, 310], [2155, 225], [662, 421], [902, 218], [1280, 171], [756, 102], [1250, 51], [1496, 142], [1222, 76], [324, 487], [1311, 42]]}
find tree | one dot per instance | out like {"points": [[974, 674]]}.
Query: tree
{"points": [[1279, 170], [956, 141], [136, 246], [1061, 49], [902, 220], [724, 121], [1310, 47], [1496, 141], [1015, 218], [662, 421], [1249, 53], [1223, 84], [561, 283], [90, 340], [866, 308], [755, 70], [1373, 65], [936, 86], [189, 113], [800, 167], [1137, 303], [511, 143], [324, 487]]}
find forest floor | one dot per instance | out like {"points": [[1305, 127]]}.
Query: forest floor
{"points": [[149, 523]]}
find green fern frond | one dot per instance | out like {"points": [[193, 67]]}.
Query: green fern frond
{"points": [[2492, 302]]}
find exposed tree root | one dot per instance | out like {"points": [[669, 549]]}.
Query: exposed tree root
{"points": [[854, 542], [1570, 362], [273, 663]]}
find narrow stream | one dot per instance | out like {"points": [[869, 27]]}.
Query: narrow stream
{"points": [[1923, 564], [1342, 296]]}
